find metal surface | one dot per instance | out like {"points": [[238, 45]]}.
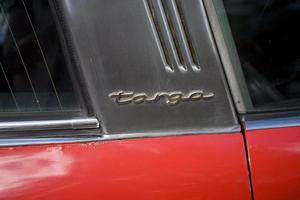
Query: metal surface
{"points": [[119, 48], [29, 141], [228, 53], [83, 123], [171, 98], [270, 123], [274, 158], [15, 142], [183, 167], [177, 49]]}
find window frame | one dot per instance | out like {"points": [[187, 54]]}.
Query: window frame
{"points": [[59, 123], [250, 118]]}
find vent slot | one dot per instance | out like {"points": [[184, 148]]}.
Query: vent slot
{"points": [[169, 16], [158, 33], [188, 37], [174, 39]]}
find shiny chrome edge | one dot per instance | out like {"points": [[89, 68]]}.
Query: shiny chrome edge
{"points": [[13, 142], [272, 123], [45, 141], [39, 125], [227, 53]]}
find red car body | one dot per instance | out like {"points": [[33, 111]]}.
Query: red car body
{"points": [[168, 106], [178, 167], [274, 162]]}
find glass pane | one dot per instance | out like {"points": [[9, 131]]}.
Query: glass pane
{"points": [[267, 37], [33, 72]]}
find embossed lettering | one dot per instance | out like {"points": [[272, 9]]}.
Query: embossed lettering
{"points": [[171, 98], [174, 98], [139, 98]]}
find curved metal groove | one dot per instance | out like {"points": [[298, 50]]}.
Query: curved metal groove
{"points": [[182, 35], [158, 35], [166, 34]]}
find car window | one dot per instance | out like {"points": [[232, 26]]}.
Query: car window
{"points": [[34, 76], [266, 37]]}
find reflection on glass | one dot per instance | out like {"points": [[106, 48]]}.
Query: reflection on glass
{"points": [[33, 72], [267, 36]]}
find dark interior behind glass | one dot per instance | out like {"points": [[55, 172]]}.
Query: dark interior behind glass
{"points": [[33, 73], [267, 36]]}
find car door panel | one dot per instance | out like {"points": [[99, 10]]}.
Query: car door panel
{"points": [[178, 167], [274, 160]]}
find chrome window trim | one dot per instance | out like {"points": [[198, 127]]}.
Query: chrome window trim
{"points": [[34, 123], [228, 55], [39, 125], [235, 76], [271, 123], [14, 142]]}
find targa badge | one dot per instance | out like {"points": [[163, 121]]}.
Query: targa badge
{"points": [[170, 98]]}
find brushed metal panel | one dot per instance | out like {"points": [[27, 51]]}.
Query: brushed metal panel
{"points": [[119, 49]]}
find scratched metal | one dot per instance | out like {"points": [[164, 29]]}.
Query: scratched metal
{"points": [[149, 47]]}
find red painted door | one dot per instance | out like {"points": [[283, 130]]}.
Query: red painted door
{"points": [[275, 163], [179, 167], [261, 60]]}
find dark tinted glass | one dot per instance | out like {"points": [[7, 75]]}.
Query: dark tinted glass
{"points": [[267, 36], [33, 72]]}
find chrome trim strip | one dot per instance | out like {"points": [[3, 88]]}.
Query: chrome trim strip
{"points": [[228, 54], [44, 141], [170, 133], [66, 140], [73, 124], [273, 123]]}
